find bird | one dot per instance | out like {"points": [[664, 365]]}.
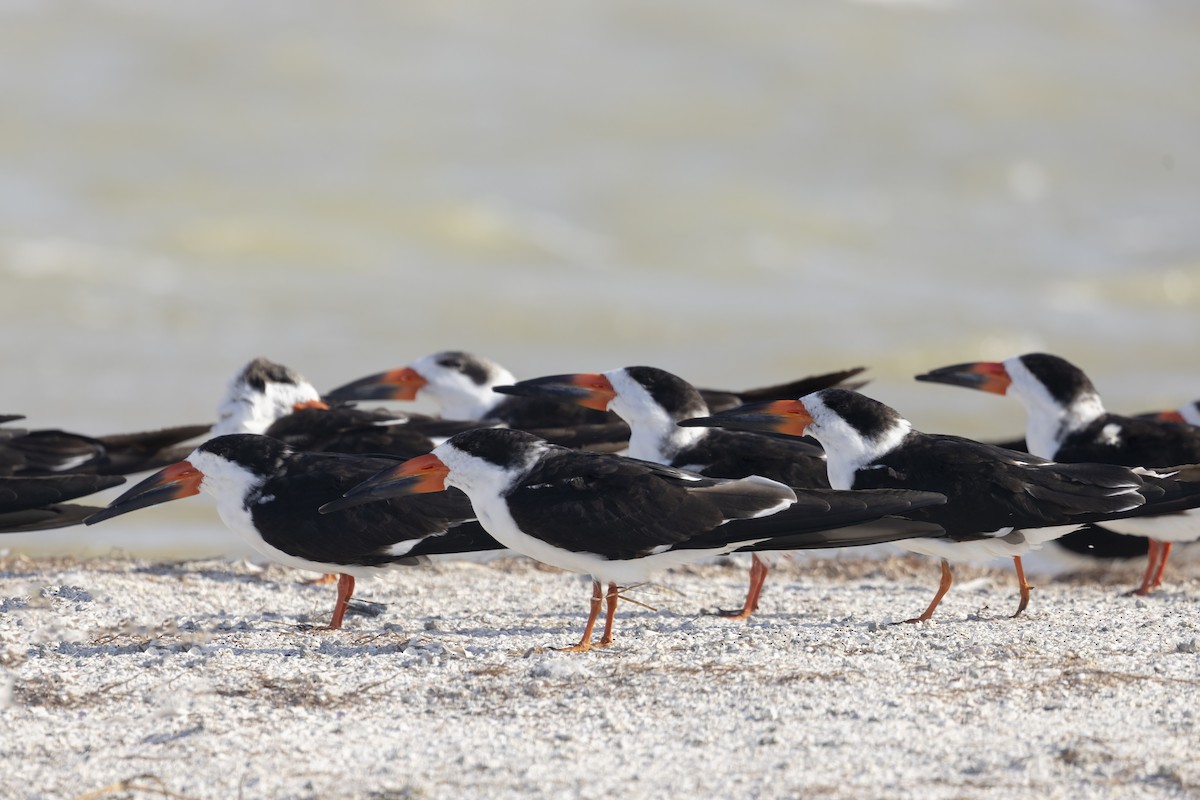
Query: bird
{"points": [[999, 502], [620, 519], [50, 451], [652, 401], [269, 398], [36, 502], [1066, 421], [269, 494], [463, 385]]}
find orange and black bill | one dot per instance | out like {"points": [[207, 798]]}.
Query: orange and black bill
{"points": [[986, 376], [419, 475], [775, 416], [589, 390], [396, 384], [170, 483]]}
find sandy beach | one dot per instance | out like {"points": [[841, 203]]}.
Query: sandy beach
{"points": [[205, 679]]}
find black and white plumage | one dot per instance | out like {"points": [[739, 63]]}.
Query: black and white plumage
{"points": [[464, 386], [271, 399], [653, 401], [269, 495], [49, 451], [1067, 422], [999, 502], [621, 519], [37, 502]]}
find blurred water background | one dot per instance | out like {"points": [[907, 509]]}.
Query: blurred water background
{"points": [[738, 192]]}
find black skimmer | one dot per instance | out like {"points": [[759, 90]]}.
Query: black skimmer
{"points": [[50, 451], [269, 398], [269, 494], [652, 401], [1067, 422], [463, 386], [34, 503], [620, 519], [999, 502]]}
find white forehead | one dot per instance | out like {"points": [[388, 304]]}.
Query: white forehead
{"points": [[632, 400], [223, 478], [474, 474], [822, 415], [1028, 388], [833, 431], [246, 409]]}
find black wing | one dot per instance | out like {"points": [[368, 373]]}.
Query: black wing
{"points": [[285, 512], [22, 492], [346, 429], [45, 518], [721, 400], [623, 508], [469, 537], [49, 451], [1133, 442], [989, 488], [736, 454], [832, 518]]}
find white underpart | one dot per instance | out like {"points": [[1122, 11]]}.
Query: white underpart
{"points": [[229, 484], [1183, 526], [653, 434], [484, 483], [246, 410], [1004, 542], [846, 450], [456, 395], [1048, 422]]}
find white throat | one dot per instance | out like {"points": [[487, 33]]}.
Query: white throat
{"points": [[846, 450], [1047, 421], [653, 434], [229, 484], [457, 396]]}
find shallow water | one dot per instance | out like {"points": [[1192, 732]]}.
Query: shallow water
{"points": [[737, 193]]}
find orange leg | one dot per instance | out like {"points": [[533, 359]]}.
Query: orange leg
{"points": [[1164, 553], [758, 576], [1152, 567], [944, 587], [324, 580], [345, 589], [1023, 584], [609, 613], [585, 643]]}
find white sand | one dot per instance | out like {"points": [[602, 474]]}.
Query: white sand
{"points": [[130, 679]]}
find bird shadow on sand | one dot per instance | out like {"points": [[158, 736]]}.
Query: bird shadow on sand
{"points": [[207, 570]]}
